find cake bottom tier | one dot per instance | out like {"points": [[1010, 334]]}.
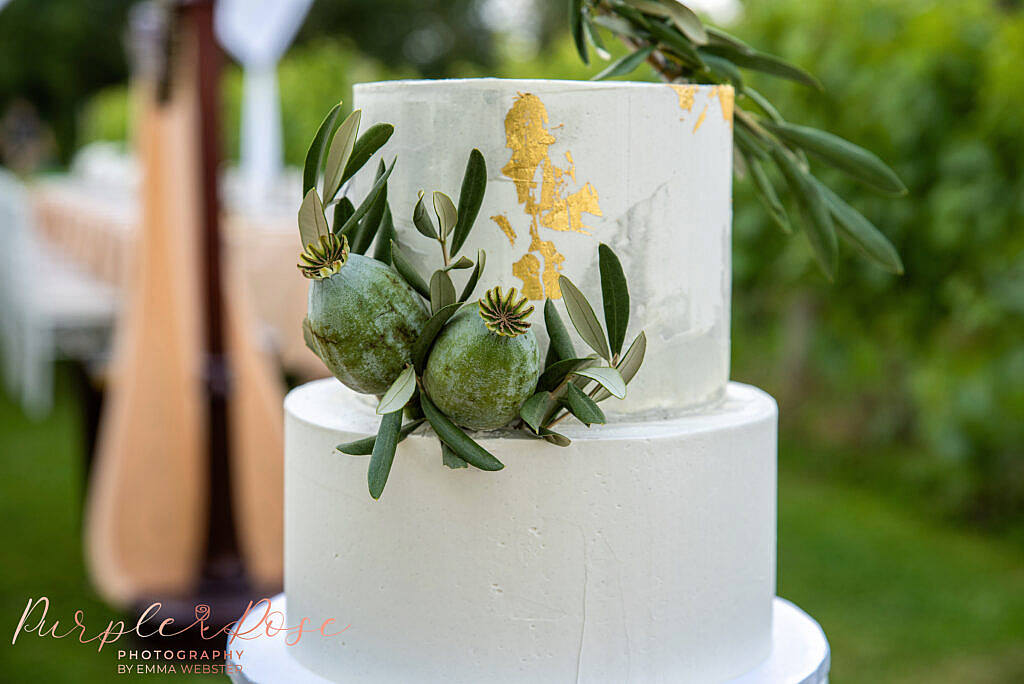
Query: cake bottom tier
{"points": [[644, 552]]}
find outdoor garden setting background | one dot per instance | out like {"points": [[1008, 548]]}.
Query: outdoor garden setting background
{"points": [[901, 502]]}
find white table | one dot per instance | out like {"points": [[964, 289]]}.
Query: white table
{"points": [[800, 654]]}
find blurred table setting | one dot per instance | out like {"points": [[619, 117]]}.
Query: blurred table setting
{"points": [[85, 224]]}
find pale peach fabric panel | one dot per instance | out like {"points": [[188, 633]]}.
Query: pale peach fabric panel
{"points": [[256, 443], [147, 508]]}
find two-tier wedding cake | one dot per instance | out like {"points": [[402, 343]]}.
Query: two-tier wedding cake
{"points": [[643, 552]]}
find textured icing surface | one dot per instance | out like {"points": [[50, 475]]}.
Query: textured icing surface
{"points": [[645, 168], [645, 552]]}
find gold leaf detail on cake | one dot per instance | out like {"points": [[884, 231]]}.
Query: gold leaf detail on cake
{"points": [[726, 98], [700, 119], [552, 205], [687, 97], [685, 93], [527, 269], [568, 215], [506, 227]]}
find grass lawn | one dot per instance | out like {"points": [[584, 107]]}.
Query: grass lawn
{"points": [[901, 598]]}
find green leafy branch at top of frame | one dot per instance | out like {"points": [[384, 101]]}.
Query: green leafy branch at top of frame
{"points": [[671, 38]]}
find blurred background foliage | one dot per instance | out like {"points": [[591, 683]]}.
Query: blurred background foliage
{"points": [[909, 387], [82, 53], [933, 360]]}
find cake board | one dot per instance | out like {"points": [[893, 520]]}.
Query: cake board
{"points": [[800, 653]]}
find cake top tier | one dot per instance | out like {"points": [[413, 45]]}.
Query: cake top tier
{"points": [[643, 167]]}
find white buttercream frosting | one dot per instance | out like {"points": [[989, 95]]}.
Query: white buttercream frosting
{"points": [[644, 552]]}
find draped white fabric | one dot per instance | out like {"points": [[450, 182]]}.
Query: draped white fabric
{"points": [[256, 33]]}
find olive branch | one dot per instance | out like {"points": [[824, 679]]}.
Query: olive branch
{"points": [[673, 40]]}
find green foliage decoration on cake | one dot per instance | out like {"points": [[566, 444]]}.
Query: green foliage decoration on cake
{"points": [[671, 38], [362, 317], [418, 343]]}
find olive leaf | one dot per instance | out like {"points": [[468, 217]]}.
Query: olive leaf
{"points": [[842, 154], [631, 361], [652, 7], [422, 221], [594, 38], [312, 221], [628, 365], [450, 458], [722, 69], [385, 236], [383, 454], [474, 277], [687, 21], [748, 58], [625, 64], [555, 438], [430, 331], [400, 392], [619, 26], [370, 223], [343, 210], [408, 271], [748, 142], [607, 377], [461, 443], [561, 343], [364, 447], [766, 193], [762, 102], [554, 374], [615, 296], [368, 143], [551, 357], [582, 406], [338, 154], [717, 36], [447, 214], [576, 26], [461, 263], [471, 196], [820, 230], [860, 232], [442, 291], [583, 318], [368, 202], [632, 15], [315, 153], [535, 408]]}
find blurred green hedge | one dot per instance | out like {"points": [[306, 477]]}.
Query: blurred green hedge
{"points": [[935, 359]]}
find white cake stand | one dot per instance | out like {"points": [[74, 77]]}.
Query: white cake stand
{"points": [[800, 654]]}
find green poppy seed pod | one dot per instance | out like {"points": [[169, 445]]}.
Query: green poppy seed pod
{"points": [[485, 363], [363, 321]]}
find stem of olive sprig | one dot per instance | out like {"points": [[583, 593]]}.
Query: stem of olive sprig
{"points": [[444, 252]]}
